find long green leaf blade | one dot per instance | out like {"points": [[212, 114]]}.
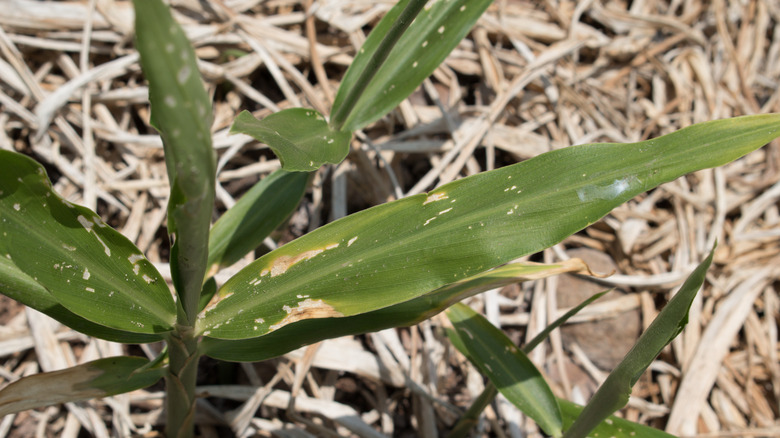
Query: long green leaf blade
{"points": [[181, 112], [260, 211], [612, 426], [397, 251], [89, 268], [301, 138], [374, 53], [100, 378], [423, 46], [411, 312], [508, 368], [471, 416], [614, 392], [19, 286]]}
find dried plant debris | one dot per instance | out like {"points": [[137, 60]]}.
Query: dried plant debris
{"points": [[530, 77]]}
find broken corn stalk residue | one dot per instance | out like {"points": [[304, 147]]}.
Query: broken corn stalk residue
{"points": [[307, 309], [282, 263]]}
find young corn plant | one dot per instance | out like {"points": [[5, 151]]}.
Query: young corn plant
{"points": [[392, 265], [511, 372]]}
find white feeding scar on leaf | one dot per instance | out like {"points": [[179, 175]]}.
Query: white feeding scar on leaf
{"points": [[87, 224], [608, 192], [134, 259], [183, 74], [435, 197]]}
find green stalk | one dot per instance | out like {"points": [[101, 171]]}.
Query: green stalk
{"points": [[470, 418], [180, 383], [181, 112], [372, 67]]}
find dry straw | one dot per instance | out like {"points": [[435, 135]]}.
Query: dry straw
{"points": [[531, 77]]}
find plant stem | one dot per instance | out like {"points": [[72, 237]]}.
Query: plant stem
{"points": [[377, 59], [470, 418], [180, 383]]}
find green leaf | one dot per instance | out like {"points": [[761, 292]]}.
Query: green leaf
{"points": [[614, 392], [308, 331], [373, 53], [89, 268], [260, 211], [17, 285], [506, 366], [100, 378], [470, 418], [301, 138], [612, 426], [400, 250], [181, 112], [423, 46]]}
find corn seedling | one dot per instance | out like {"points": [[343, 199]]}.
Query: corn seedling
{"points": [[391, 265]]}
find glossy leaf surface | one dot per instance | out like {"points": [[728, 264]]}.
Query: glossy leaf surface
{"points": [[100, 378], [436, 30], [259, 211], [300, 137], [88, 267], [610, 427], [614, 392], [508, 368], [403, 249], [181, 112], [306, 332]]}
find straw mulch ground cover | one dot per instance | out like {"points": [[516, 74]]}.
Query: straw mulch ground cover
{"points": [[532, 76]]}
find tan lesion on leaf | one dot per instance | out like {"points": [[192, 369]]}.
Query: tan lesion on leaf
{"points": [[279, 266], [307, 309], [216, 299], [579, 266], [50, 388], [570, 266], [282, 263]]}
